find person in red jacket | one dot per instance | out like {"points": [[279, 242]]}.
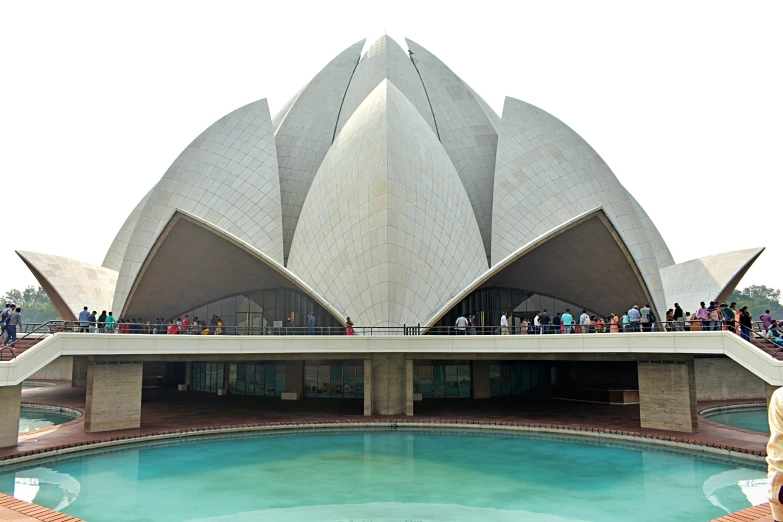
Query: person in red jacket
{"points": [[173, 328]]}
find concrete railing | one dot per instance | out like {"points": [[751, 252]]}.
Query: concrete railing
{"points": [[692, 343]]}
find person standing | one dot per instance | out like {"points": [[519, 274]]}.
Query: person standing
{"points": [[613, 322], [7, 311], [568, 321], [703, 316], [766, 321], [13, 323], [185, 325], [461, 325], [557, 323], [472, 324], [102, 322], [714, 317], [746, 323], [110, 323], [634, 318], [84, 320], [546, 320], [311, 324], [93, 321], [348, 326], [584, 322], [503, 324], [679, 318], [728, 317], [645, 317]]}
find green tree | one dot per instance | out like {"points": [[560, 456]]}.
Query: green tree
{"points": [[759, 298], [36, 305]]}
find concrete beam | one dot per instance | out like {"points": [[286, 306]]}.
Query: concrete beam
{"points": [[10, 402], [667, 396], [113, 396]]}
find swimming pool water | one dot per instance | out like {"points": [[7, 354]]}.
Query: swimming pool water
{"points": [[754, 419], [32, 419], [388, 476]]}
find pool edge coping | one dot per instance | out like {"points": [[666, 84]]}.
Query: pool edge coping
{"points": [[721, 450]]}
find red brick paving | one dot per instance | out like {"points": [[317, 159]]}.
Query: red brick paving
{"points": [[15, 510], [760, 513]]}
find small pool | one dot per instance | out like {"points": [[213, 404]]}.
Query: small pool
{"points": [[389, 476], [752, 417], [34, 418]]}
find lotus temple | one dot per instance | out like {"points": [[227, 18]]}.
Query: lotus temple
{"points": [[338, 242]]}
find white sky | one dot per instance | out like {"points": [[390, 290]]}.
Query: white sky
{"points": [[682, 100]]}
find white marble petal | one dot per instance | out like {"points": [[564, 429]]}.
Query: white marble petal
{"points": [[227, 176], [304, 130], [72, 284], [387, 232], [707, 278], [113, 259], [468, 130], [547, 174], [385, 59]]}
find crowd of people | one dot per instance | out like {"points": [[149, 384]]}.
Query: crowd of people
{"points": [[106, 323], [713, 317]]}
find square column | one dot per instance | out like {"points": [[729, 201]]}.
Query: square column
{"points": [[409, 387], [480, 379], [79, 371], [113, 396], [667, 396], [388, 384], [10, 402], [368, 387], [294, 377]]}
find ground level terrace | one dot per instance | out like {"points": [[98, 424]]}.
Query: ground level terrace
{"points": [[660, 376]]}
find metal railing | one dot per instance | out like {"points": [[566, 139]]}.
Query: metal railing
{"points": [[547, 329], [48, 327]]}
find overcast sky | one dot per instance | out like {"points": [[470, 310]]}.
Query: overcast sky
{"points": [[682, 99]]}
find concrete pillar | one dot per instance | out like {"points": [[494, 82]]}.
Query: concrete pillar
{"points": [[113, 396], [368, 387], [10, 402], [480, 379], [79, 372], [388, 384], [189, 375], [409, 387], [294, 377], [667, 396], [770, 390]]}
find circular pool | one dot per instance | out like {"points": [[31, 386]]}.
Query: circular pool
{"points": [[751, 417], [389, 476], [33, 417]]}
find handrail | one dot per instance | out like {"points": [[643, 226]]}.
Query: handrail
{"points": [[47, 324]]}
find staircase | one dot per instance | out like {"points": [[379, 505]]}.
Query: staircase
{"points": [[768, 347], [19, 348]]}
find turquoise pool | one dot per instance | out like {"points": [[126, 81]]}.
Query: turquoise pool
{"points": [[388, 476], [752, 418], [35, 419]]}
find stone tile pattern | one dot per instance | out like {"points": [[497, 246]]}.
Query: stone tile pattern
{"points": [[724, 379], [662, 253], [15, 510], [667, 396], [113, 399], [387, 233], [78, 284], [385, 59], [547, 174], [227, 176], [704, 279], [113, 258], [304, 133], [468, 130]]}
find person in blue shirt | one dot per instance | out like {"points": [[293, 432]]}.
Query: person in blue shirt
{"points": [[84, 320], [311, 324]]}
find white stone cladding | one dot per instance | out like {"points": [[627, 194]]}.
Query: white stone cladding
{"points": [[76, 284], [385, 59], [706, 278], [387, 232], [305, 132], [547, 174], [227, 176], [468, 130], [116, 253]]}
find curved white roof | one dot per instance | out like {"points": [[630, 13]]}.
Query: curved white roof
{"points": [[72, 284], [113, 259], [385, 59], [547, 174], [710, 278], [468, 130], [306, 131], [227, 176], [387, 232]]}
